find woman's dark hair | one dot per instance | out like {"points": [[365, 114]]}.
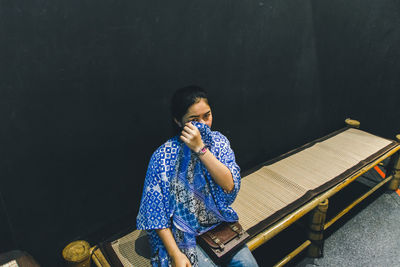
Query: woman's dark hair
{"points": [[183, 98]]}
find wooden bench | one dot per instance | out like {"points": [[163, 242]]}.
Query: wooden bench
{"points": [[277, 193]]}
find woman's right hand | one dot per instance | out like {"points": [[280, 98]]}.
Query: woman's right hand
{"points": [[180, 260], [177, 257]]}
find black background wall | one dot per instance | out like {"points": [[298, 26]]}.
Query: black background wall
{"points": [[85, 88], [358, 51]]}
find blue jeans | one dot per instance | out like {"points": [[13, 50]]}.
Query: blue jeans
{"points": [[242, 258]]}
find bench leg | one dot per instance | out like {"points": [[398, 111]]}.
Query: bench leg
{"points": [[395, 182], [316, 230]]}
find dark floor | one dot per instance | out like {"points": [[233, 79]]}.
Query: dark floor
{"points": [[368, 236], [371, 238]]}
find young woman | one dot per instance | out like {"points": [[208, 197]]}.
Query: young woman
{"points": [[191, 181]]}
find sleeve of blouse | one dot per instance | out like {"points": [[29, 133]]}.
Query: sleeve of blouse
{"points": [[154, 211], [227, 157]]}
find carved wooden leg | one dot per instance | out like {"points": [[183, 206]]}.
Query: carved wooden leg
{"points": [[316, 230], [395, 170]]}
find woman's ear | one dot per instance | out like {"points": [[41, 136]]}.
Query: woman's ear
{"points": [[177, 122]]}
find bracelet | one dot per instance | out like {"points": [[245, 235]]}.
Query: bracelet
{"points": [[202, 151]]}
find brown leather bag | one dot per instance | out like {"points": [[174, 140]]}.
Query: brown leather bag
{"points": [[223, 241]]}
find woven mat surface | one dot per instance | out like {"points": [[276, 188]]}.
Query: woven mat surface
{"points": [[275, 186], [133, 249]]}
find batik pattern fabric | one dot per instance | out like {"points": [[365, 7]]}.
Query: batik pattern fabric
{"points": [[180, 194]]}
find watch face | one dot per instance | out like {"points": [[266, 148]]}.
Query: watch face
{"points": [[202, 151]]}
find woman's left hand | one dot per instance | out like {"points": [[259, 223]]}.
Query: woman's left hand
{"points": [[191, 136]]}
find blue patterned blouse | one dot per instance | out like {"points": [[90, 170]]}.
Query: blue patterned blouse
{"points": [[180, 194]]}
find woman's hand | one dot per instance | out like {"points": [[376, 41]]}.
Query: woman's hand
{"points": [[180, 260], [191, 136]]}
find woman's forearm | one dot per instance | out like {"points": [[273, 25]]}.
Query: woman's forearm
{"points": [[218, 171], [168, 240], [178, 258]]}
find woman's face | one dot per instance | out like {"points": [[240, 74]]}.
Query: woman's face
{"points": [[200, 112]]}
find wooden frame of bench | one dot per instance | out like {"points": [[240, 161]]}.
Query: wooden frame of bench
{"points": [[316, 207]]}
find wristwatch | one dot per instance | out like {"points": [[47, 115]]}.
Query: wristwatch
{"points": [[202, 151]]}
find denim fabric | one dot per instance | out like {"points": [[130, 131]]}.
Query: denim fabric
{"points": [[242, 258]]}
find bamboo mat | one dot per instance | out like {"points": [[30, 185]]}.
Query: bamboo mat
{"points": [[271, 189], [274, 187], [133, 249]]}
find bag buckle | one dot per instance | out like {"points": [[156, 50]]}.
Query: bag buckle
{"points": [[217, 241], [236, 229]]}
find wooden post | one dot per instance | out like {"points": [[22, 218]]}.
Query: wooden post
{"points": [[352, 123], [395, 169], [316, 230], [77, 254], [98, 257]]}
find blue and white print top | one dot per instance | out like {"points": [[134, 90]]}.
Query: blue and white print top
{"points": [[179, 193]]}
